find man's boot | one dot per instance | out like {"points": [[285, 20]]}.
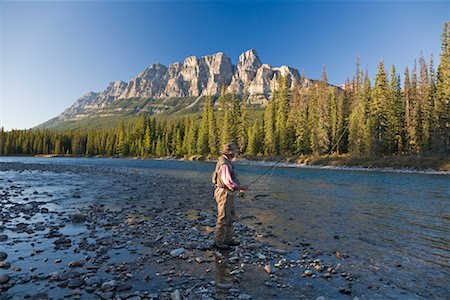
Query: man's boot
{"points": [[222, 246], [232, 242]]}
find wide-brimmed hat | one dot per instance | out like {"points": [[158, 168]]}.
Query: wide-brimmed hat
{"points": [[230, 148]]}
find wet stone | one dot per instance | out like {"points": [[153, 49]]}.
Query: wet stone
{"points": [[3, 237], [78, 218], [177, 252], [4, 278], [40, 296], [93, 281], [244, 297], [123, 287], [74, 283], [3, 256], [176, 295], [108, 286], [107, 295], [4, 265], [345, 291], [76, 264]]}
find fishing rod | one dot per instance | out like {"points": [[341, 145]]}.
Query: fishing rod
{"points": [[241, 194]]}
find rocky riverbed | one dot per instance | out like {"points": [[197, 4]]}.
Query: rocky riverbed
{"points": [[109, 233]]}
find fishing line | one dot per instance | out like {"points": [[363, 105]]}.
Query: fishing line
{"points": [[241, 194]]}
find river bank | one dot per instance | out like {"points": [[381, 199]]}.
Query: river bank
{"points": [[408, 163], [98, 232]]}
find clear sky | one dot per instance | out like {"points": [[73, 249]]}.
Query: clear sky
{"points": [[53, 52]]}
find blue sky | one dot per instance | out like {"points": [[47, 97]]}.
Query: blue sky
{"points": [[53, 52]]}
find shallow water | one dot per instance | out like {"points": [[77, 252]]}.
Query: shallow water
{"points": [[393, 226]]}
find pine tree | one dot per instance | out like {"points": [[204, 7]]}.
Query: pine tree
{"points": [[190, 138], [337, 120], [243, 124], [281, 116], [147, 146], [203, 133], [254, 146], [434, 138], [424, 89], [378, 112], [212, 129], [269, 130], [319, 116], [415, 115], [395, 115], [442, 101], [298, 119], [2, 141]]}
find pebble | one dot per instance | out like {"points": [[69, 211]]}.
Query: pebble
{"points": [[278, 251], [308, 273], [107, 295], [269, 269], [93, 281], [40, 296], [76, 264], [261, 256], [177, 252], [3, 237], [74, 283], [4, 278], [4, 265], [345, 291], [108, 286], [176, 295], [3, 256], [244, 297]]}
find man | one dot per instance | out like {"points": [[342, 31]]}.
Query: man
{"points": [[226, 182]]}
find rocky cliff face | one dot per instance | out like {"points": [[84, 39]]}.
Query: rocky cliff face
{"points": [[202, 76]]}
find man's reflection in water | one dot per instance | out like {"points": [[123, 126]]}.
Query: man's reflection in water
{"points": [[223, 278]]}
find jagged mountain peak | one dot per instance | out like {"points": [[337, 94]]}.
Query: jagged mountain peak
{"points": [[193, 77]]}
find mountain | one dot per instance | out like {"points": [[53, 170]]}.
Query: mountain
{"points": [[159, 88]]}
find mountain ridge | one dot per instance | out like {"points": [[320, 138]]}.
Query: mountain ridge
{"points": [[195, 77]]}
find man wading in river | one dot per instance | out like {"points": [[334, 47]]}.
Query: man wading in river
{"points": [[226, 183]]}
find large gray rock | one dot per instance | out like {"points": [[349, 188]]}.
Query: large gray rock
{"points": [[149, 84]]}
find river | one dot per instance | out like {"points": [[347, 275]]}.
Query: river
{"points": [[392, 227]]}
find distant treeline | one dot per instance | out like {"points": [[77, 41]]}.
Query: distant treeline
{"points": [[361, 118]]}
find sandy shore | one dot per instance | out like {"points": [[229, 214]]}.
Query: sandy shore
{"points": [[103, 233]]}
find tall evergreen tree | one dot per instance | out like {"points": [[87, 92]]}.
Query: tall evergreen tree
{"points": [[378, 112], [281, 116], [203, 132], [442, 101], [212, 129], [395, 114], [269, 128]]}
